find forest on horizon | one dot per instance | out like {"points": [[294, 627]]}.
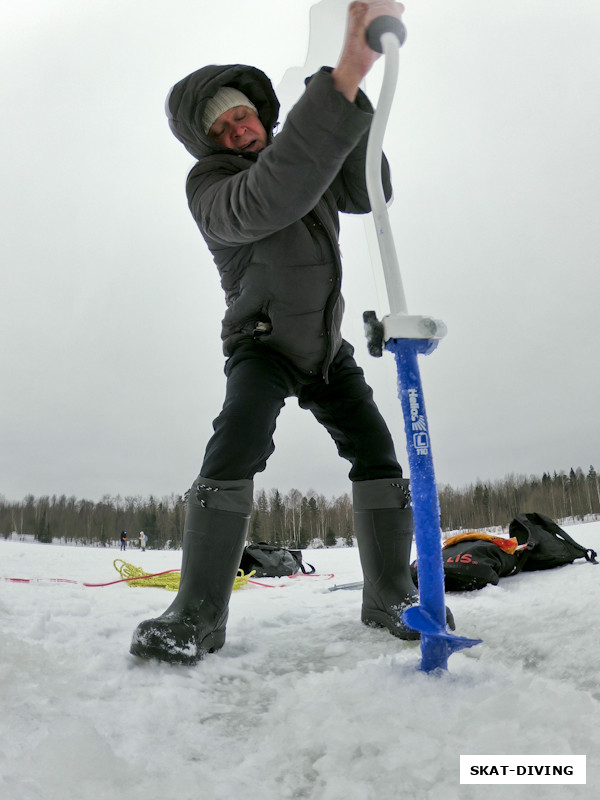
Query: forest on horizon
{"points": [[296, 519]]}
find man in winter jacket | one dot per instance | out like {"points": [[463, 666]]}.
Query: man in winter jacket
{"points": [[267, 208]]}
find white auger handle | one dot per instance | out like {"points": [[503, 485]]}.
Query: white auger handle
{"points": [[386, 34], [381, 38]]}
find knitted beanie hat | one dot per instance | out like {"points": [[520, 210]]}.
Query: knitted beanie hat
{"points": [[227, 97]]}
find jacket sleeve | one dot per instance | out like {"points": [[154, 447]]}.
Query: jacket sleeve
{"points": [[349, 186], [321, 145]]}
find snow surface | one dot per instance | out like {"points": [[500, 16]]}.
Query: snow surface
{"points": [[303, 701]]}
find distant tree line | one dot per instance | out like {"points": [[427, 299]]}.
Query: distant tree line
{"points": [[486, 505], [85, 522], [295, 519]]}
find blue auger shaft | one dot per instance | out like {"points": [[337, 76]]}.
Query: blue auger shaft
{"points": [[429, 617], [426, 508]]}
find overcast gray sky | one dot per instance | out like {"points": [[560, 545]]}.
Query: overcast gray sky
{"points": [[111, 361]]}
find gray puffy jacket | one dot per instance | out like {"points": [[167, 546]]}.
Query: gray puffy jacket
{"points": [[270, 219]]}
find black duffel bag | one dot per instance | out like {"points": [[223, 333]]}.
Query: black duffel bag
{"points": [[474, 560], [269, 561], [546, 545]]}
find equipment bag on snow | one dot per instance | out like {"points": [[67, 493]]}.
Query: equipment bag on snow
{"points": [[546, 545], [269, 561], [473, 560]]}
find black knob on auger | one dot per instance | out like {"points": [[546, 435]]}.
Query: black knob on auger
{"points": [[374, 333], [381, 25]]}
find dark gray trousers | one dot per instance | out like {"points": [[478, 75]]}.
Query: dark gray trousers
{"points": [[258, 383]]}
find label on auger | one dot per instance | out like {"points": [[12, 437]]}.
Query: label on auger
{"points": [[418, 424]]}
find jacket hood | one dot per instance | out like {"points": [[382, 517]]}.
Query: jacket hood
{"points": [[187, 99]]}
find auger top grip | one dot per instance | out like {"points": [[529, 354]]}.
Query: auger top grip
{"points": [[381, 25]]}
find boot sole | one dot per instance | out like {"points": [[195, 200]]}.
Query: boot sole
{"points": [[379, 619], [182, 655]]}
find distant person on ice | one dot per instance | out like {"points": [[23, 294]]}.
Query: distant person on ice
{"points": [[143, 540], [123, 540], [267, 208]]}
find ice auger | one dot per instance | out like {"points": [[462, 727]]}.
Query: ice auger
{"points": [[407, 336]]}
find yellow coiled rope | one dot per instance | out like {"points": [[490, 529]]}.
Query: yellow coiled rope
{"points": [[169, 580]]}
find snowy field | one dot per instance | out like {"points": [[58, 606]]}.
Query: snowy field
{"points": [[303, 702]]}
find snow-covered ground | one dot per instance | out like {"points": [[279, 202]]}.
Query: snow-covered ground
{"points": [[303, 701]]}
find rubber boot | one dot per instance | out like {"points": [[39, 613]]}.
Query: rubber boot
{"points": [[383, 524], [216, 525]]}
